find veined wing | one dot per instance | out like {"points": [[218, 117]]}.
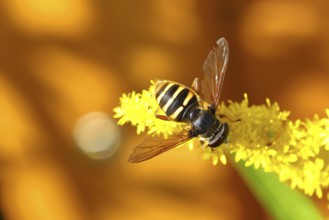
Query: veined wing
{"points": [[153, 146]]}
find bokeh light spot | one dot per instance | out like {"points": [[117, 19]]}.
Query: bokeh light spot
{"points": [[97, 135]]}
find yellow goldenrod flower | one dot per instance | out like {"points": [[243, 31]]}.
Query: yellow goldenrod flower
{"points": [[139, 109], [263, 137]]}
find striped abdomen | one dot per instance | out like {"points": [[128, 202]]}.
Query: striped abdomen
{"points": [[175, 100]]}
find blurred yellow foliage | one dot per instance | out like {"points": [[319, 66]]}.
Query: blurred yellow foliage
{"points": [[61, 59]]}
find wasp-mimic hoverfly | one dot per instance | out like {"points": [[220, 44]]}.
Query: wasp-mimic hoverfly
{"points": [[194, 106]]}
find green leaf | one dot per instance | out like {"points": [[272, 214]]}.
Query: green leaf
{"points": [[282, 202]]}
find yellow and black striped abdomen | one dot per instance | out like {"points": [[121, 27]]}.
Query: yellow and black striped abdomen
{"points": [[175, 99]]}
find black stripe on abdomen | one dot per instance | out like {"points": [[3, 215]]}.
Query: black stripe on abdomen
{"points": [[178, 101], [191, 104], [168, 95], [161, 89], [181, 106]]}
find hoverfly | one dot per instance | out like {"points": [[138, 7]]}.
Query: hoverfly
{"points": [[194, 106]]}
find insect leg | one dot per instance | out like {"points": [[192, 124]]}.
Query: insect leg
{"points": [[212, 109], [203, 143], [162, 117], [196, 86]]}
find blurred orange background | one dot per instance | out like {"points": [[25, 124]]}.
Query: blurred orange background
{"points": [[62, 59]]}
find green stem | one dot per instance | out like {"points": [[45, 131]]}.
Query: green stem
{"points": [[277, 198]]}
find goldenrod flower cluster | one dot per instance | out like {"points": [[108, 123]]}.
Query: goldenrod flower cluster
{"points": [[261, 135]]}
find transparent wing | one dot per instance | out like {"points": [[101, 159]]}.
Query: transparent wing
{"points": [[214, 69], [153, 146]]}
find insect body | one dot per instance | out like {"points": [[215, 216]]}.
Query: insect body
{"points": [[181, 104], [195, 106]]}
